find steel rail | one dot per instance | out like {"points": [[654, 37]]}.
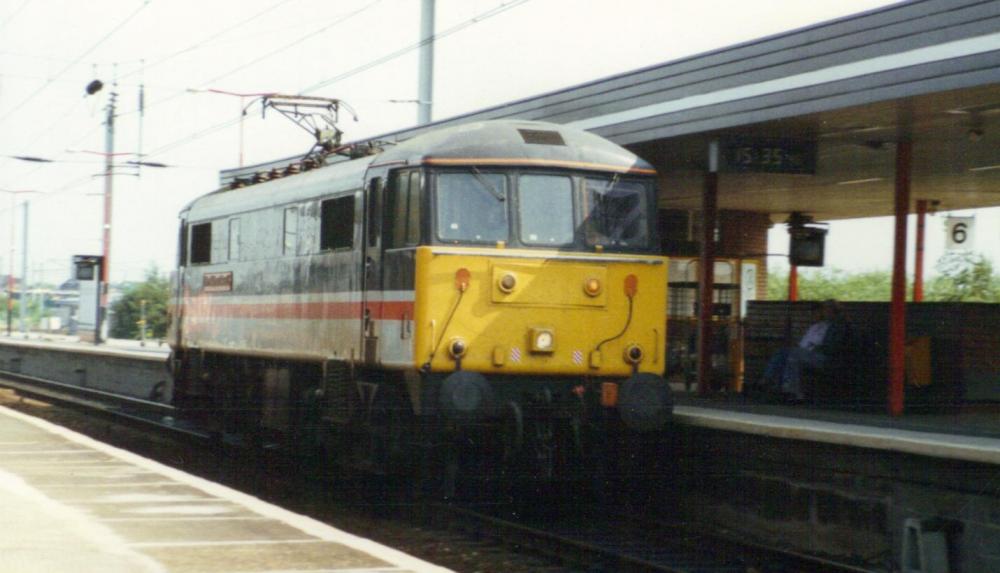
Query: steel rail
{"points": [[560, 546], [680, 557], [125, 409]]}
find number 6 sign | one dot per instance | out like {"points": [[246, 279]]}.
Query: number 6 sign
{"points": [[959, 233]]}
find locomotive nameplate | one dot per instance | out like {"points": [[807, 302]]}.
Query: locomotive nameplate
{"points": [[217, 282]]}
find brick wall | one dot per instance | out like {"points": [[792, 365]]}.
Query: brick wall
{"points": [[742, 234]]}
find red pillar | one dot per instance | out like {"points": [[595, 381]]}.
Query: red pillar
{"points": [[918, 263], [706, 266], [897, 309], [793, 283]]}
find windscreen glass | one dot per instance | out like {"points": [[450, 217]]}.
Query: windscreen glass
{"points": [[546, 209], [472, 207], [615, 213]]}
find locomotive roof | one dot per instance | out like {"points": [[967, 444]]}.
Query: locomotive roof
{"points": [[493, 142], [343, 176], [514, 142]]}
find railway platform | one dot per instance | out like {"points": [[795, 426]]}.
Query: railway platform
{"points": [[71, 503], [153, 349], [962, 435]]}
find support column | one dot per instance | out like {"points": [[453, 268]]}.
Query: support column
{"points": [[897, 309], [793, 283], [109, 152], [918, 262], [425, 87], [23, 307], [706, 266]]}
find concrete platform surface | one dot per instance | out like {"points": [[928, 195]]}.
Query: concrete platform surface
{"points": [[69, 503], [153, 349], [953, 446]]}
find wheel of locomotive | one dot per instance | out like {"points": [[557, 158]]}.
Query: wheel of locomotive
{"points": [[503, 460], [390, 424]]}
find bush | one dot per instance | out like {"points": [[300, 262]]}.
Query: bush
{"points": [[155, 290]]}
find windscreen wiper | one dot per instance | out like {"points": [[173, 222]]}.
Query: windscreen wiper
{"points": [[487, 185]]}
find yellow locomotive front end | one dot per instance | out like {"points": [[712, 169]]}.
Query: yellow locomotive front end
{"points": [[590, 316], [546, 353], [539, 298]]}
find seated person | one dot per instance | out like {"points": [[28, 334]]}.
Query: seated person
{"points": [[825, 338]]}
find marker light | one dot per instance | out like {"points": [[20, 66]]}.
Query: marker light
{"points": [[507, 283], [633, 354], [631, 285], [462, 277], [592, 286], [543, 340]]}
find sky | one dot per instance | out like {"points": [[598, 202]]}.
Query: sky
{"points": [[489, 52]]}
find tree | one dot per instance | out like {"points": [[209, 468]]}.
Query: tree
{"points": [[155, 290], [823, 284], [964, 277]]}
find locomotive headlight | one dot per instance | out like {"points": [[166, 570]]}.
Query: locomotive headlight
{"points": [[507, 283], [543, 340], [457, 347], [592, 286], [633, 354]]}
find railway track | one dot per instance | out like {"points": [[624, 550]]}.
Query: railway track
{"points": [[584, 539], [128, 410], [598, 540]]}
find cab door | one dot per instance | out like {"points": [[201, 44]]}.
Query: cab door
{"points": [[371, 288]]}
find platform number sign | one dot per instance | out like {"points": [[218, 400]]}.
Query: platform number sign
{"points": [[959, 233]]}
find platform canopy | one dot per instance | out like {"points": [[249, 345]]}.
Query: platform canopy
{"points": [[808, 119]]}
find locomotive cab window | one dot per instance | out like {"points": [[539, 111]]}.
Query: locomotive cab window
{"points": [[472, 207], [545, 203], [201, 243], [616, 213], [337, 223]]}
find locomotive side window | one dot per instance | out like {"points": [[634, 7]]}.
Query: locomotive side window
{"points": [[472, 207], [234, 239], [404, 210], [546, 209], [291, 230], [413, 210], [182, 248], [374, 211], [201, 243], [615, 213], [337, 223]]}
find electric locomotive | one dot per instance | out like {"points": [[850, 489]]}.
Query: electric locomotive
{"points": [[497, 279]]}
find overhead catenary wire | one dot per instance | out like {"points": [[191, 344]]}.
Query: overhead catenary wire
{"points": [[75, 62], [326, 27], [13, 15], [496, 10], [202, 43]]}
